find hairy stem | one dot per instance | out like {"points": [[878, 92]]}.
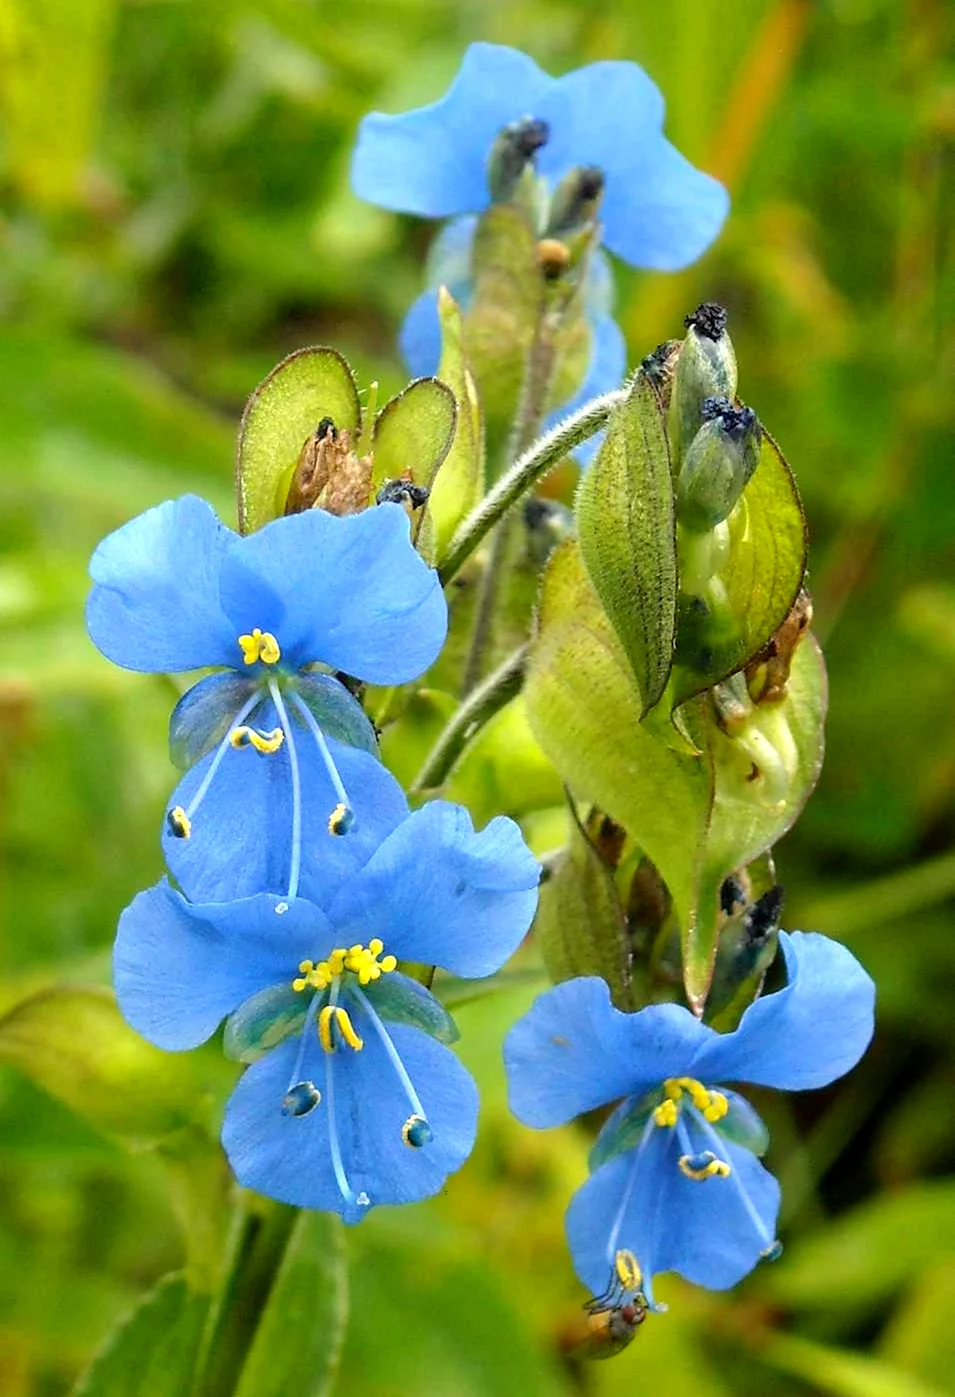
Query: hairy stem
{"points": [[479, 706], [524, 474]]}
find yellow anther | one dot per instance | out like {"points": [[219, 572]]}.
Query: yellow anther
{"points": [[325, 1028], [260, 645], [265, 742], [364, 962], [717, 1107], [628, 1270], [179, 822], [705, 1166], [703, 1100], [666, 1113], [340, 820], [672, 1089]]}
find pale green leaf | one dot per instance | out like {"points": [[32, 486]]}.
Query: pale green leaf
{"points": [[154, 1348], [279, 417], [414, 431], [627, 536]]}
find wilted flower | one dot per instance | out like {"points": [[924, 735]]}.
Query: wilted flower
{"points": [[676, 1182], [175, 590], [352, 1098]]}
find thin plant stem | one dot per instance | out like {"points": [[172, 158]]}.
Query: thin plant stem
{"points": [[524, 474], [479, 706]]}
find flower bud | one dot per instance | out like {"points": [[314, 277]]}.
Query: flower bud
{"points": [[576, 201], [512, 154], [718, 465], [706, 368], [746, 948]]}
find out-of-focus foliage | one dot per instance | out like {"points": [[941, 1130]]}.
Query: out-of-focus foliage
{"points": [[174, 217]]}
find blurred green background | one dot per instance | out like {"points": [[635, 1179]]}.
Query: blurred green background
{"points": [[175, 217]]}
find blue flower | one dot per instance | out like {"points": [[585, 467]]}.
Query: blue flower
{"points": [[174, 590], [676, 1182], [657, 210], [352, 1097]]}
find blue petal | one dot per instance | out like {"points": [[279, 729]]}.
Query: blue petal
{"points": [[573, 1051], [657, 210], [241, 833], [180, 969], [432, 161], [289, 1158], [699, 1228], [204, 715], [805, 1035], [155, 602], [449, 256], [419, 338], [438, 893], [354, 593]]}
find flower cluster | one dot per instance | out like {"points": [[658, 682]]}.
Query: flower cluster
{"points": [[303, 879]]}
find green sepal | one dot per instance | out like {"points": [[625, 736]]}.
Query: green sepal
{"points": [[457, 482], [337, 712], [203, 716], [414, 431], [279, 417], [760, 580], [743, 823], [263, 1021], [623, 1128], [625, 520], [398, 999], [581, 927], [743, 1126], [584, 710]]}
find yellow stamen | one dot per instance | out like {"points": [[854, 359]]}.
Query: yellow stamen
{"points": [[365, 962], [712, 1168], [179, 822], [265, 742], [717, 1108], [666, 1113], [340, 820], [712, 1104], [325, 1028], [334, 1013], [628, 1270], [260, 645]]}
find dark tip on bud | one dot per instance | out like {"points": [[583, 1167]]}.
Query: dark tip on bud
{"points": [[590, 181], [326, 428], [762, 919], [709, 319], [528, 135], [399, 491], [736, 422], [300, 1098], [732, 895]]}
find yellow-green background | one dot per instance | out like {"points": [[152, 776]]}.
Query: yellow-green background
{"points": [[174, 217]]}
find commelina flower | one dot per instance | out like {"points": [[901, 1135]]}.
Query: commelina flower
{"points": [[352, 1097], [605, 119], [176, 590], [677, 1184]]}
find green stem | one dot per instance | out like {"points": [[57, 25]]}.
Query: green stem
{"points": [[480, 705], [524, 474]]}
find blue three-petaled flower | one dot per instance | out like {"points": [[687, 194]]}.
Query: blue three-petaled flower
{"points": [[657, 211], [352, 1098], [676, 1182]]}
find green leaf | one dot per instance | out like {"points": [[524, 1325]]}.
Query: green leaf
{"points": [[860, 1259], [414, 431], [503, 770], [73, 1042], [745, 822], [580, 926], [839, 1372], [297, 1344], [279, 417], [627, 537], [585, 712], [153, 1349], [405, 1001], [762, 577], [263, 1021], [457, 483]]}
